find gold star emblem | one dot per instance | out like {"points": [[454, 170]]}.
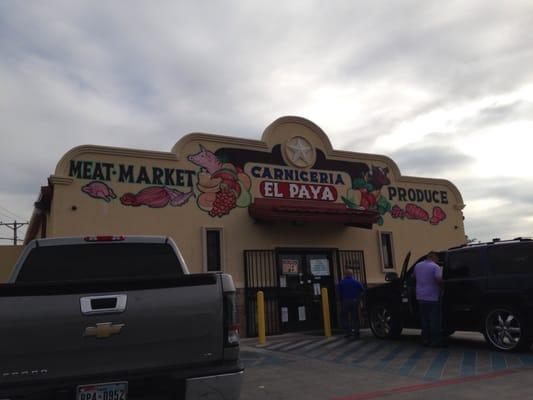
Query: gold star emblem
{"points": [[300, 152]]}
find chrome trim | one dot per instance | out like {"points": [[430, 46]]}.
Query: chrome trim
{"points": [[87, 309], [215, 387]]}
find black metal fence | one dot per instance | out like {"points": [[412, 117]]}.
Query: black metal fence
{"points": [[260, 273], [354, 260]]}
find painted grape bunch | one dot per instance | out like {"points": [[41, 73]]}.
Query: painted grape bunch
{"points": [[225, 201]]}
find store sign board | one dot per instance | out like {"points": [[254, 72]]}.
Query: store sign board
{"points": [[226, 178], [319, 266], [298, 191]]}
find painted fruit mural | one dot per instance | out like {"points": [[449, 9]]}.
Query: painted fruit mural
{"points": [[220, 187], [365, 193]]}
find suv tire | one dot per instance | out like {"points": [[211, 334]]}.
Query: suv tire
{"points": [[504, 329], [384, 322]]}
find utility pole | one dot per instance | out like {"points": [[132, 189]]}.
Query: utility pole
{"points": [[14, 226]]}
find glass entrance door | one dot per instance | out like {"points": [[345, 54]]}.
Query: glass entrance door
{"points": [[302, 275]]}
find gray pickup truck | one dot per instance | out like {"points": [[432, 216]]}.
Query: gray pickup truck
{"points": [[116, 318]]}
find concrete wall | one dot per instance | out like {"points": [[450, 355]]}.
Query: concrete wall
{"points": [[8, 257]]}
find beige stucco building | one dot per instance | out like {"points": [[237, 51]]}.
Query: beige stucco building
{"points": [[284, 213]]}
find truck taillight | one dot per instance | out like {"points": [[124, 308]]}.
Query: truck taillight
{"points": [[107, 238], [231, 320]]}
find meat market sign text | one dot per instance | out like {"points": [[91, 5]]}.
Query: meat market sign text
{"points": [[106, 172]]}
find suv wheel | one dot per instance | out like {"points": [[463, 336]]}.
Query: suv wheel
{"points": [[383, 322], [504, 329]]}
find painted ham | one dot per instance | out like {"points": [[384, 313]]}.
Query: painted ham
{"points": [[412, 211], [156, 197], [99, 190], [438, 216], [397, 212]]}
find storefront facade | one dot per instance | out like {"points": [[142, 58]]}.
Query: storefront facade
{"points": [[284, 214]]}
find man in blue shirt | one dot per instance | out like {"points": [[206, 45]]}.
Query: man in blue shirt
{"points": [[350, 290]]}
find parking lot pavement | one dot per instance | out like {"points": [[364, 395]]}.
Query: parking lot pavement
{"points": [[306, 366]]}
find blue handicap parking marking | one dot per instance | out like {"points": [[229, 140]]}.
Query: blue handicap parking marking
{"points": [[299, 345], [280, 345], [367, 352], [382, 365], [436, 367], [399, 358], [410, 363], [349, 350], [468, 366], [329, 349], [498, 361], [527, 359]]}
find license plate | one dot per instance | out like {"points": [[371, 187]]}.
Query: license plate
{"points": [[103, 391]]}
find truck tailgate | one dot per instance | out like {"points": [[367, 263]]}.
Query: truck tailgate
{"points": [[46, 336]]}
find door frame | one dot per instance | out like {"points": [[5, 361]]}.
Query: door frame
{"points": [[304, 252]]}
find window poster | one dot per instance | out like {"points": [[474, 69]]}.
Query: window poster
{"points": [[290, 266], [316, 289], [319, 266], [284, 314], [301, 313]]}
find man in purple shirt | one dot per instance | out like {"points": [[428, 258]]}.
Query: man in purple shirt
{"points": [[428, 277]]}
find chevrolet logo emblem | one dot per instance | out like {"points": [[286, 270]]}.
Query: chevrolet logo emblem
{"points": [[103, 330]]}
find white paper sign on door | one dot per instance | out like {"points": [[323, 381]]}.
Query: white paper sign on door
{"points": [[282, 281], [284, 314], [301, 313], [319, 267], [316, 289]]}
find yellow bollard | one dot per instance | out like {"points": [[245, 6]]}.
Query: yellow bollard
{"points": [[261, 317], [325, 312]]}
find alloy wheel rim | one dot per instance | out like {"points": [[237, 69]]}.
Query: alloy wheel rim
{"points": [[503, 329], [381, 321]]}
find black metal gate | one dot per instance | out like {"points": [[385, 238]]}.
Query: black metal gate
{"points": [[261, 273], [354, 260]]}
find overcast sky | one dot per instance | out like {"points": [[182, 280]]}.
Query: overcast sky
{"points": [[444, 88]]}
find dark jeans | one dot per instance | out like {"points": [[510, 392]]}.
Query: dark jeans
{"points": [[430, 316], [350, 312]]}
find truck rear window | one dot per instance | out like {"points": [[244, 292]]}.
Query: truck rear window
{"points": [[100, 261]]}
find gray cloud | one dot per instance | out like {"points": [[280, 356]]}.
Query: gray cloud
{"points": [[513, 218], [433, 157]]}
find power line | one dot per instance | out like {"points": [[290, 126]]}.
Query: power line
{"points": [[13, 215], [6, 215]]}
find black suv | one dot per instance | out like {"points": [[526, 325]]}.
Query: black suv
{"points": [[487, 287]]}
